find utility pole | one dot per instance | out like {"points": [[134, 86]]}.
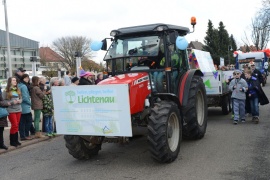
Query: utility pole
{"points": [[78, 63], [8, 44], [34, 60]]}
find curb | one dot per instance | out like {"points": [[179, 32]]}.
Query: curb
{"points": [[25, 143]]}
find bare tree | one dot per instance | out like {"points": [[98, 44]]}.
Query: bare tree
{"points": [[266, 14], [266, 10], [261, 26], [246, 40], [256, 32], [66, 46]]}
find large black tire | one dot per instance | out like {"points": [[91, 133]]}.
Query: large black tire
{"points": [[225, 105], [195, 112], [165, 131], [79, 148]]}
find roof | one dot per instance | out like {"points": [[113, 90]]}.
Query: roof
{"points": [[17, 41], [151, 27], [196, 45], [48, 55], [255, 55]]}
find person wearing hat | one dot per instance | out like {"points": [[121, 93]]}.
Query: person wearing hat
{"points": [[19, 72], [239, 87], [75, 81], [84, 78], [255, 72]]}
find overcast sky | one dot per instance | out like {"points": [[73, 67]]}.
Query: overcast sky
{"points": [[47, 20]]}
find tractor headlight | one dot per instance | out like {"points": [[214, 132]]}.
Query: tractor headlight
{"points": [[152, 84]]}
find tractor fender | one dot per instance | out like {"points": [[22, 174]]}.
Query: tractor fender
{"points": [[184, 85], [169, 97]]}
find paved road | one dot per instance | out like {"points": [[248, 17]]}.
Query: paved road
{"points": [[226, 152]]}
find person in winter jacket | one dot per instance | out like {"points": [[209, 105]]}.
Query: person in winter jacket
{"points": [[253, 95], [26, 116], [48, 114], [99, 78], [13, 94], [36, 103], [84, 80], [255, 72], [238, 86], [3, 121]]}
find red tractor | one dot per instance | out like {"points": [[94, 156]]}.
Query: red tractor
{"points": [[166, 97]]}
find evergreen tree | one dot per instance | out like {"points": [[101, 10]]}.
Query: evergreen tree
{"points": [[218, 43], [224, 41], [233, 43], [211, 42], [208, 40], [234, 48]]}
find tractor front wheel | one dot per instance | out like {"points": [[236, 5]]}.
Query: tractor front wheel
{"points": [[165, 131]]}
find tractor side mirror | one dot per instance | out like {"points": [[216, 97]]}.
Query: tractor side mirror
{"points": [[104, 45]]}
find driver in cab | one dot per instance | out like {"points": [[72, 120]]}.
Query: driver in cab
{"points": [[154, 54]]}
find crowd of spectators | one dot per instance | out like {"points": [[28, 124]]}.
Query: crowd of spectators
{"points": [[22, 97]]}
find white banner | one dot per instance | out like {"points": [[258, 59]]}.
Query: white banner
{"points": [[98, 110], [205, 61]]}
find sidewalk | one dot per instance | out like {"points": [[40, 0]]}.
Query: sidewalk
{"points": [[24, 143]]}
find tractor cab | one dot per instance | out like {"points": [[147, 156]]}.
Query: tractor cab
{"points": [[152, 49]]}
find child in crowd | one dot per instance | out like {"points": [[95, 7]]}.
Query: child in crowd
{"points": [[48, 114], [238, 86], [253, 95]]}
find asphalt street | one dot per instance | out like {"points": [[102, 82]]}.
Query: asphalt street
{"points": [[226, 152]]}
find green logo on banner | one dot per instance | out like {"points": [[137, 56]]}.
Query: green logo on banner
{"points": [[70, 97], [208, 84]]}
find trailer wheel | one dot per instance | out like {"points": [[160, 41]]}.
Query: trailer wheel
{"points": [[165, 131], [225, 105], [79, 148], [195, 112]]}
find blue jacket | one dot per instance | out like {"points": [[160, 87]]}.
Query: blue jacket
{"points": [[253, 87], [26, 102]]}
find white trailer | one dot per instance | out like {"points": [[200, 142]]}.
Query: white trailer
{"points": [[217, 90]]}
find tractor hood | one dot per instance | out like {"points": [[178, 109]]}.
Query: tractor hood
{"points": [[123, 78], [139, 88]]}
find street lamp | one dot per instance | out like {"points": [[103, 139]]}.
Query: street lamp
{"points": [[229, 49], [8, 43]]}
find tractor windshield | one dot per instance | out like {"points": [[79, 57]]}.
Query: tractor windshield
{"points": [[133, 47]]}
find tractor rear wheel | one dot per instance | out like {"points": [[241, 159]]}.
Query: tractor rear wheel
{"points": [[165, 131], [195, 112], [79, 148]]}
